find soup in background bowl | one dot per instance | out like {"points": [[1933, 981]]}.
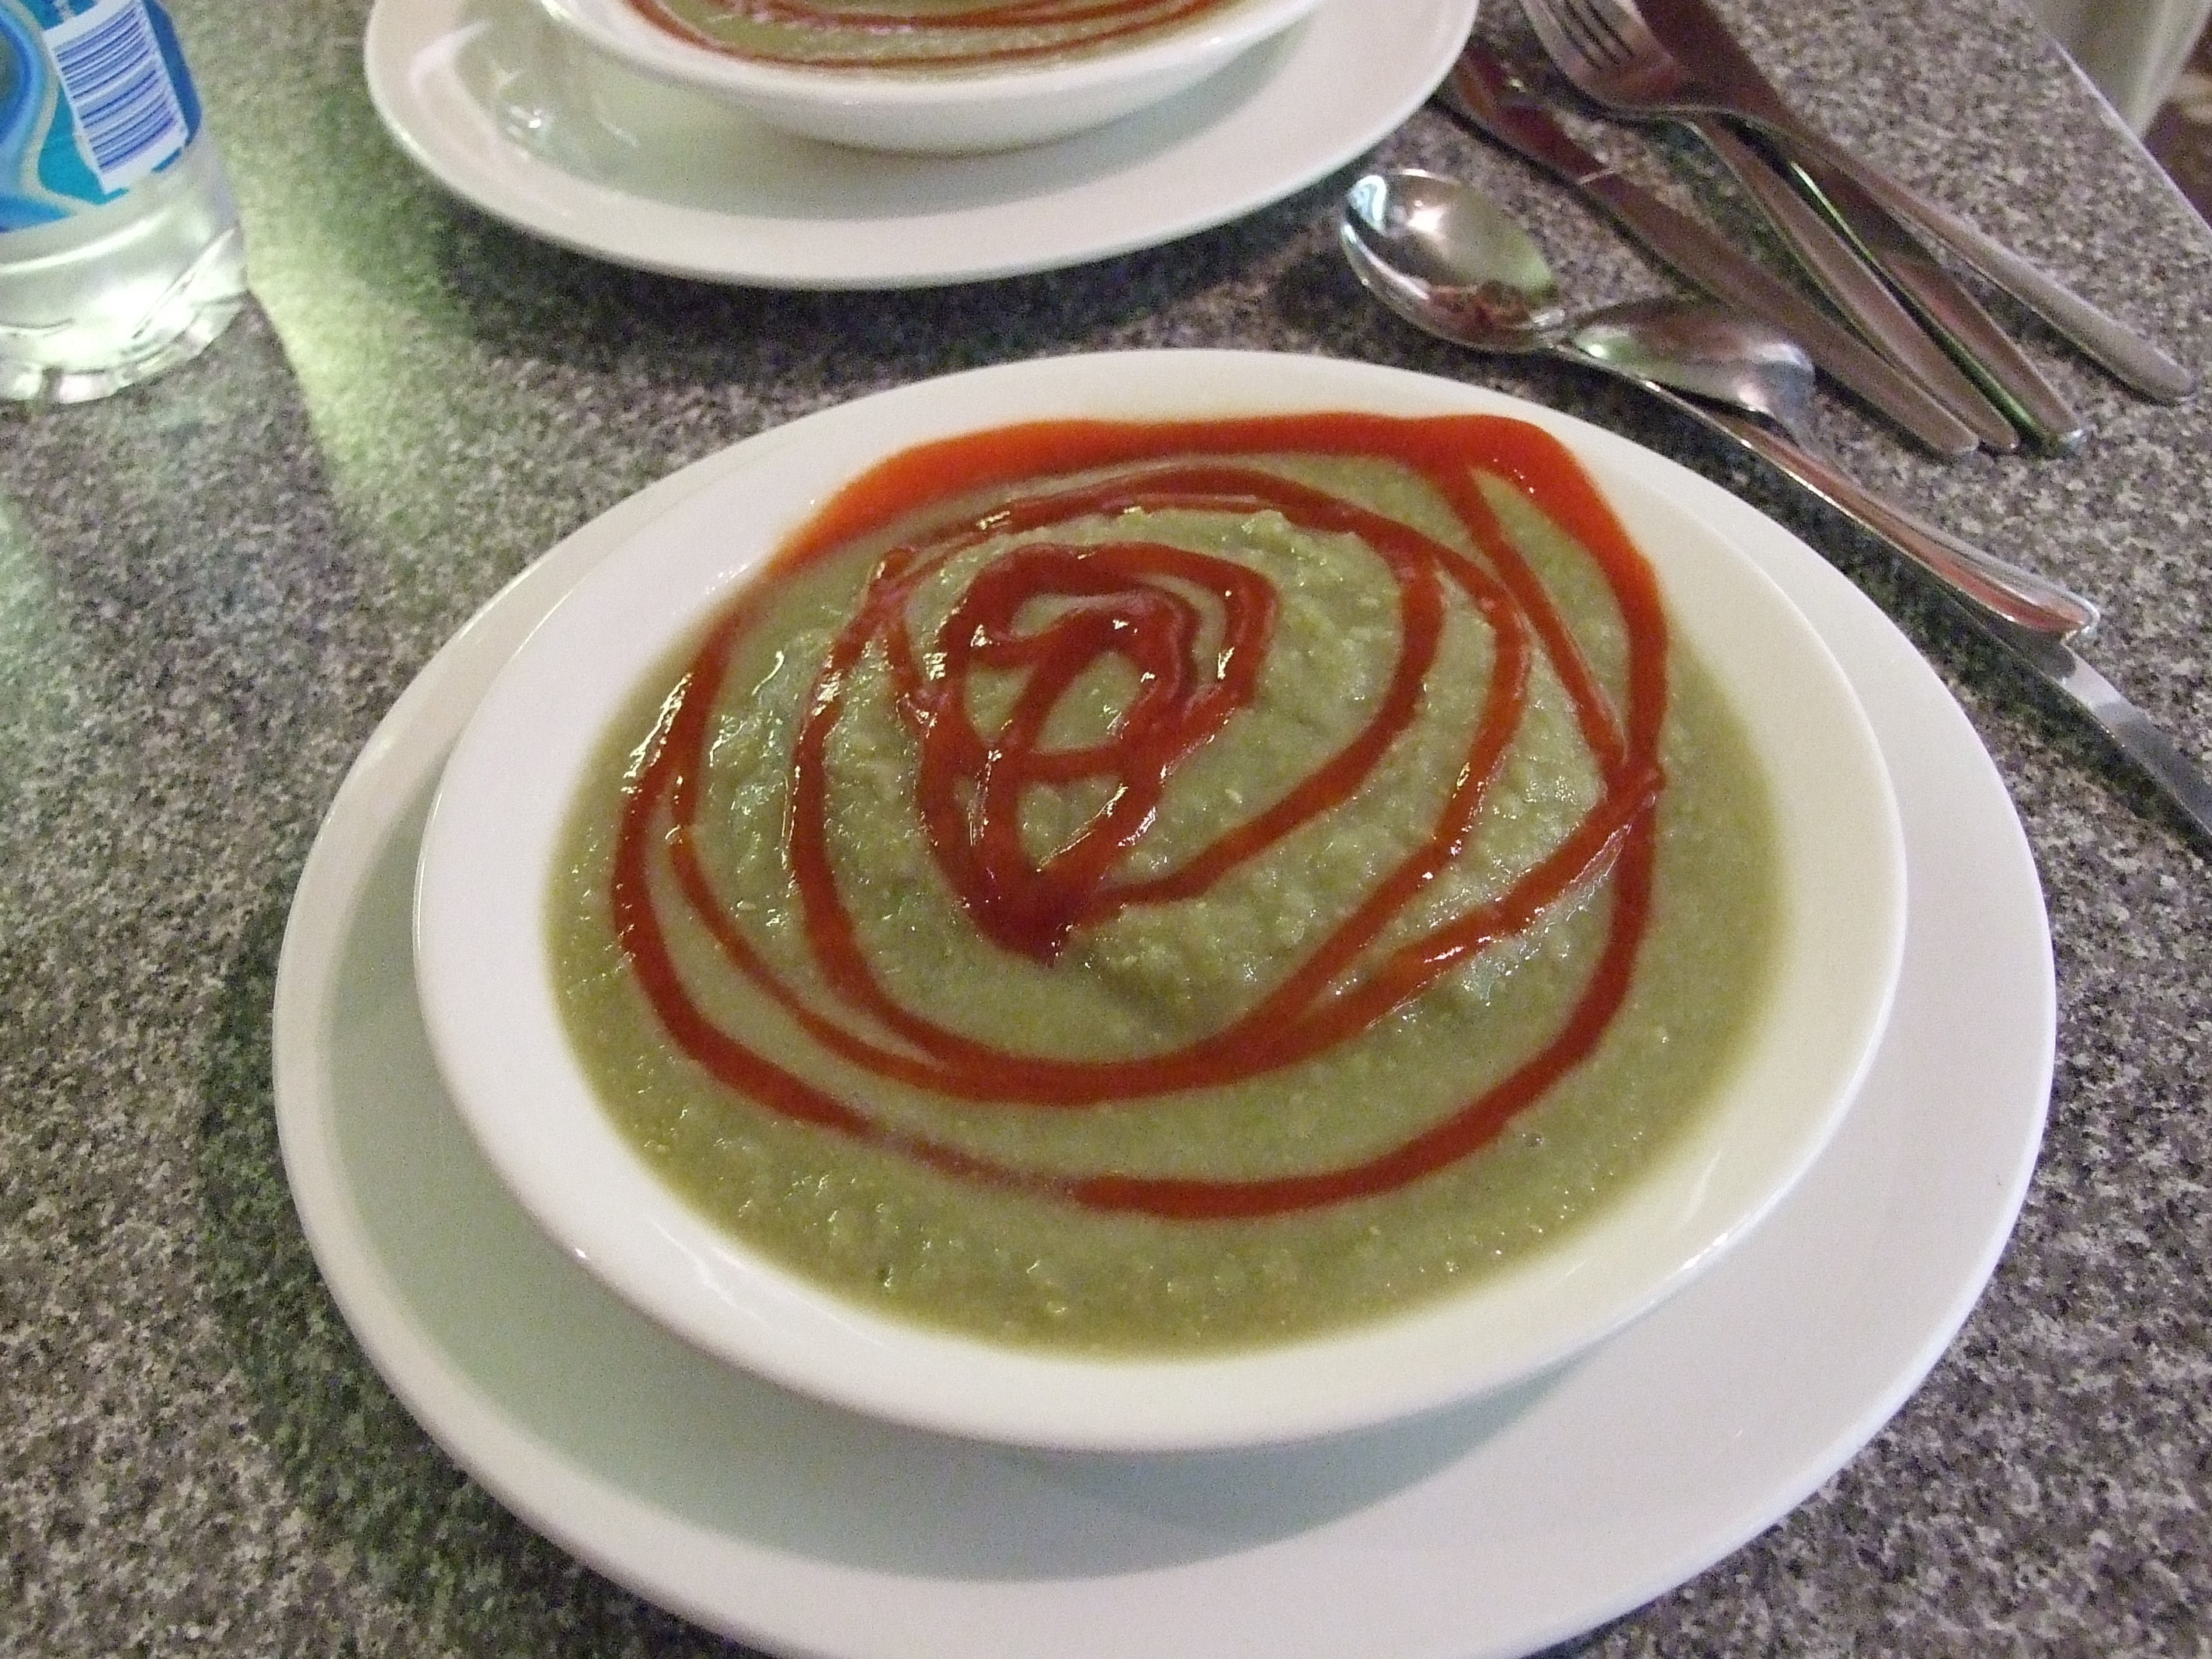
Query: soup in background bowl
{"points": [[1161, 900], [931, 76]]}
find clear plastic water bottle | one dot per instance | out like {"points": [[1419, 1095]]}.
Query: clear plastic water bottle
{"points": [[119, 249]]}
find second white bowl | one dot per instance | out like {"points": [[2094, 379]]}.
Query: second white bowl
{"points": [[925, 112]]}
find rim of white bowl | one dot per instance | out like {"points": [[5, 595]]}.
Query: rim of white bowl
{"points": [[496, 1029], [619, 28]]}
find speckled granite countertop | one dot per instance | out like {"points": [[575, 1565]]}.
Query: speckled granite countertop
{"points": [[211, 589]]}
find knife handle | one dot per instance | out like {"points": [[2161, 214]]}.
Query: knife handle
{"points": [[1857, 291], [2129, 358], [1988, 585]]}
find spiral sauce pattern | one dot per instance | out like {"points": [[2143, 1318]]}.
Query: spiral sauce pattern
{"points": [[1044, 608]]}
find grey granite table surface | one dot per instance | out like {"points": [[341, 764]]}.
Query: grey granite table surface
{"points": [[212, 587]]}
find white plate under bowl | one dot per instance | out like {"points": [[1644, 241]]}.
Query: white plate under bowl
{"points": [[491, 100], [1486, 1533], [495, 841], [947, 113]]}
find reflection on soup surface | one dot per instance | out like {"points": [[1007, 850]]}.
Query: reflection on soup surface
{"points": [[1155, 887]]}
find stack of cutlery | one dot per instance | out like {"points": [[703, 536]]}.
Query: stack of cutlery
{"points": [[1856, 232], [1905, 335]]}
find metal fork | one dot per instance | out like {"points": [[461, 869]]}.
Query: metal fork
{"points": [[1825, 253], [1610, 50]]}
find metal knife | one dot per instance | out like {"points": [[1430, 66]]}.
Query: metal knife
{"points": [[2060, 665], [1485, 92]]}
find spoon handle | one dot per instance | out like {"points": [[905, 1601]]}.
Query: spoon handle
{"points": [[1984, 581], [2030, 618]]}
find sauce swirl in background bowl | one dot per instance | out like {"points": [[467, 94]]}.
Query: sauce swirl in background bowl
{"points": [[951, 79], [495, 1021]]}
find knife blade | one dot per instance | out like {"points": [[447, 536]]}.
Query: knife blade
{"points": [[1694, 34], [2058, 664], [1485, 92]]}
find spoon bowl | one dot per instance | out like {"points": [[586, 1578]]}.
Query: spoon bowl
{"points": [[1449, 260]]}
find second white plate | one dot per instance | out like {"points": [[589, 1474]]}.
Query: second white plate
{"points": [[494, 102]]}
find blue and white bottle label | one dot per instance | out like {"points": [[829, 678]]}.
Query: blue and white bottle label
{"points": [[93, 98]]}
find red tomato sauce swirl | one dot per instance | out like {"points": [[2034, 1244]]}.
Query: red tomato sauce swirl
{"points": [[1078, 25], [1132, 599]]}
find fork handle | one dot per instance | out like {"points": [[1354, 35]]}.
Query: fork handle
{"points": [[2018, 596], [1989, 585], [2131, 359]]}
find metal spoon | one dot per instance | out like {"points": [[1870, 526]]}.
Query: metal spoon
{"points": [[1446, 258]]}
